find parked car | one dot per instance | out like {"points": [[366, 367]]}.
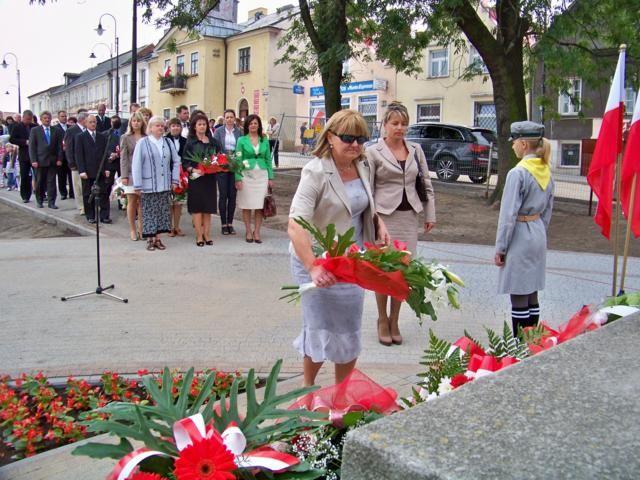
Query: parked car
{"points": [[454, 150]]}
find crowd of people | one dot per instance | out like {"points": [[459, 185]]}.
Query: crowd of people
{"points": [[146, 156], [381, 190]]}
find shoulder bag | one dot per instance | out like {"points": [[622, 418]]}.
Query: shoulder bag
{"points": [[420, 189]]}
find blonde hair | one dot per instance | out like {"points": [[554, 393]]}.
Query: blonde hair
{"points": [[153, 121], [143, 123], [146, 111], [541, 147], [344, 122], [396, 108]]}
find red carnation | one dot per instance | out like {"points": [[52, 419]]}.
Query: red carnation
{"points": [[208, 459], [459, 380], [145, 476]]}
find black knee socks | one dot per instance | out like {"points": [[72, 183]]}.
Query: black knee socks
{"points": [[534, 314], [519, 318]]}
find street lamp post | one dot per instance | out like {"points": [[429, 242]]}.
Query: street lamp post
{"points": [[5, 65], [93, 55], [100, 31], [134, 55]]}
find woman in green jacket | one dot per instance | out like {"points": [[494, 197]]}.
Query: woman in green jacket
{"points": [[252, 184]]}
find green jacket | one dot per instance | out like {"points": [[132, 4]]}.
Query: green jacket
{"points": [[244, 150]]}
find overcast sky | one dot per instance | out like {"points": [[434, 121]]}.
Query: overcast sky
{"points": [[59, 37]]}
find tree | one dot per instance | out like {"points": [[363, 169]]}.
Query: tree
{"points": [[328, 32]]}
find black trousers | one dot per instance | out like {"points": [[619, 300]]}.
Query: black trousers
{"points": [[275, 146], [46, 183], [227, 202], [26, 187], [89, 204], [65, 181]]}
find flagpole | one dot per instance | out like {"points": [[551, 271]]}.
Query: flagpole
{"points": [[627, 239]]}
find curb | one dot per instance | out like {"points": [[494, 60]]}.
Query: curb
{"points": [[50, 218]]}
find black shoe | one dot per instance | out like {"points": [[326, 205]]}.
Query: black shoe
{"points": [[225, 230], [25, 201], [91, 221], [53, 206], [231, 230], [72, 196], [40, 205], [106, 220]]}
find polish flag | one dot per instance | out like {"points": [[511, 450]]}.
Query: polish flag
{"points": [[608, 146], [631, 172], [167, 72]]}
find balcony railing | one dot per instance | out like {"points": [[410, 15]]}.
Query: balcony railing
{"points": [[173, 85]]}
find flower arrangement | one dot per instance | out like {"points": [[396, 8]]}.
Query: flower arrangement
{"points": [[208, 163], [117, 193], [388, 269], [35, 416], [180, 190]]}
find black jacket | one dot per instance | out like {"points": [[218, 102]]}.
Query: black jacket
{"points": [[70, 139], [88, 153], [103, 125], [182, 140], [20, 136], [194, 146], [39, 151]]}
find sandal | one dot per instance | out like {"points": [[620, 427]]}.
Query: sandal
{"points": [[151, 246], [159, 245]]}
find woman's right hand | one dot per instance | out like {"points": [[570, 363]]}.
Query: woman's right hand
{"points": [[125, 182], [238, 185], [321, 277]]}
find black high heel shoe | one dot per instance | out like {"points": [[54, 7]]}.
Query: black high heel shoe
{"points": [[199, 243]]}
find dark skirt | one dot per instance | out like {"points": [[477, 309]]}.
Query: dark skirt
{"points": [[202, 196], [156, 213]]}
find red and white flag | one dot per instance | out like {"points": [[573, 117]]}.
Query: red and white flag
{"points": [[631, 168], [167, 72], [609, 144]]}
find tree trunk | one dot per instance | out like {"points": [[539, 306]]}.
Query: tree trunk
{"points": [[331, 80]]}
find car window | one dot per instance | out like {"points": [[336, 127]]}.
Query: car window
{"points": [[433, 131], [484, 137], [415, 131], [451, 134]]}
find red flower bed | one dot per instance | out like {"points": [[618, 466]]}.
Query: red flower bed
{"points": [[36, 416]]}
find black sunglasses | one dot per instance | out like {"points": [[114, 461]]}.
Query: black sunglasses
{"points": [[349, 139]]}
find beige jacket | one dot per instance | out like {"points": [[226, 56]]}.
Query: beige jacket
{"points": [[390, 180], [321, 198], [127, 147]]}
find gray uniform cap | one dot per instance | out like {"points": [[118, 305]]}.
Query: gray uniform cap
{"points": [[527, 130]]}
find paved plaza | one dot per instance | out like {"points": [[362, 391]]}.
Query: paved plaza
{"points": [[218, 306]]}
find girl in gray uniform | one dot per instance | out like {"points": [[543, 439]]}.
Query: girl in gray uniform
{"points": [[525, 213]]}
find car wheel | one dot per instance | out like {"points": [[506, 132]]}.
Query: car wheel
{"points": [[447, 169], [478, 178]]}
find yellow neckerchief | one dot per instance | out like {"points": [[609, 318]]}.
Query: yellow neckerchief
{"points": [[536, 167]]}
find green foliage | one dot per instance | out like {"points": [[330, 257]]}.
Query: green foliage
{"points": [[631, 299], [327, 242], [439, 364], [506, 344]]}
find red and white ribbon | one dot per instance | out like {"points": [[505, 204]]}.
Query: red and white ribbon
{"points": [[191, 430]]}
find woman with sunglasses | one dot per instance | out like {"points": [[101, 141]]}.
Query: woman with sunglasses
{"points": [[398, 165], [335, 188]]}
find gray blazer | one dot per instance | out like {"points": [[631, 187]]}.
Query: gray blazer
{"points": [[39, 151], [321, 197], [390, 180], [152, 173], [221, 132]]}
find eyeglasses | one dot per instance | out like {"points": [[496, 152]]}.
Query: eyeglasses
{"points": [[349, 139]]}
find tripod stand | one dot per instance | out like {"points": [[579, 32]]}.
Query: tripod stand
{"points": [[96, 195]]}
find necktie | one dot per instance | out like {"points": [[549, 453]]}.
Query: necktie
{"points": [[93, 136], [47, 135]]}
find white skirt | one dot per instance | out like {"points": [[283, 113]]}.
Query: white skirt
{"points": [[254, 188]]}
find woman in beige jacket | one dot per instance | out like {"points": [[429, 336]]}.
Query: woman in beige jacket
{"points": [[136, 130], [397, 164]]}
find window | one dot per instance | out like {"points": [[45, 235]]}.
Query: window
{"points": [[166, 113], [452, 134], [143, 78], [244, 59], [345, 103], [125, 83], [439, 63], [194, 63], [569, 102], [570, 155], [629, 100], [143, 104], [167, 64], [315, 107], [484, 115], [429, 112], [476, 59], [192, 108], [368, 108], [180, 64]]}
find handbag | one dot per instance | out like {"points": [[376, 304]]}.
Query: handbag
{"points": [[269, 208], [420, 189]]}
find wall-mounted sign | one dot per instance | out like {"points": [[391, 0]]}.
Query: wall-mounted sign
{"points": [[354, 87], [256, 102], [298, 89]]}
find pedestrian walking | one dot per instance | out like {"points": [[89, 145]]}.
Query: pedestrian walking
{"points": [[525, 213]]}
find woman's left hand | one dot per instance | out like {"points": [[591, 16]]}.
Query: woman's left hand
{"points": [[383, 234], [428, 226]]}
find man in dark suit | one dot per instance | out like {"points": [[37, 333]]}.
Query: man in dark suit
{"points": [[69, 150], [65, 181], [45, 152], [90, 147], [103, 123], [20, 136]]}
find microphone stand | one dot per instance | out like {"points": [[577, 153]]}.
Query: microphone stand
{"points": [[96, 194]]}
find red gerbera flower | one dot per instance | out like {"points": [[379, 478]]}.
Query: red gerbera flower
{"points": [[208, 459], [145, 476]]}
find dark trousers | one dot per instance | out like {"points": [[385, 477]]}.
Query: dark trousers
{"points": [[65, 181], [26, 187], [89, 203], [275, 146], [46, 184], [227, 202]]}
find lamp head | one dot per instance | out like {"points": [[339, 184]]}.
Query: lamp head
{"points": [[100, 30], [7, 92], [93, 55], [4, 64]]}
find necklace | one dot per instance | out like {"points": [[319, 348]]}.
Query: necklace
{"points": [[344, 169]]}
